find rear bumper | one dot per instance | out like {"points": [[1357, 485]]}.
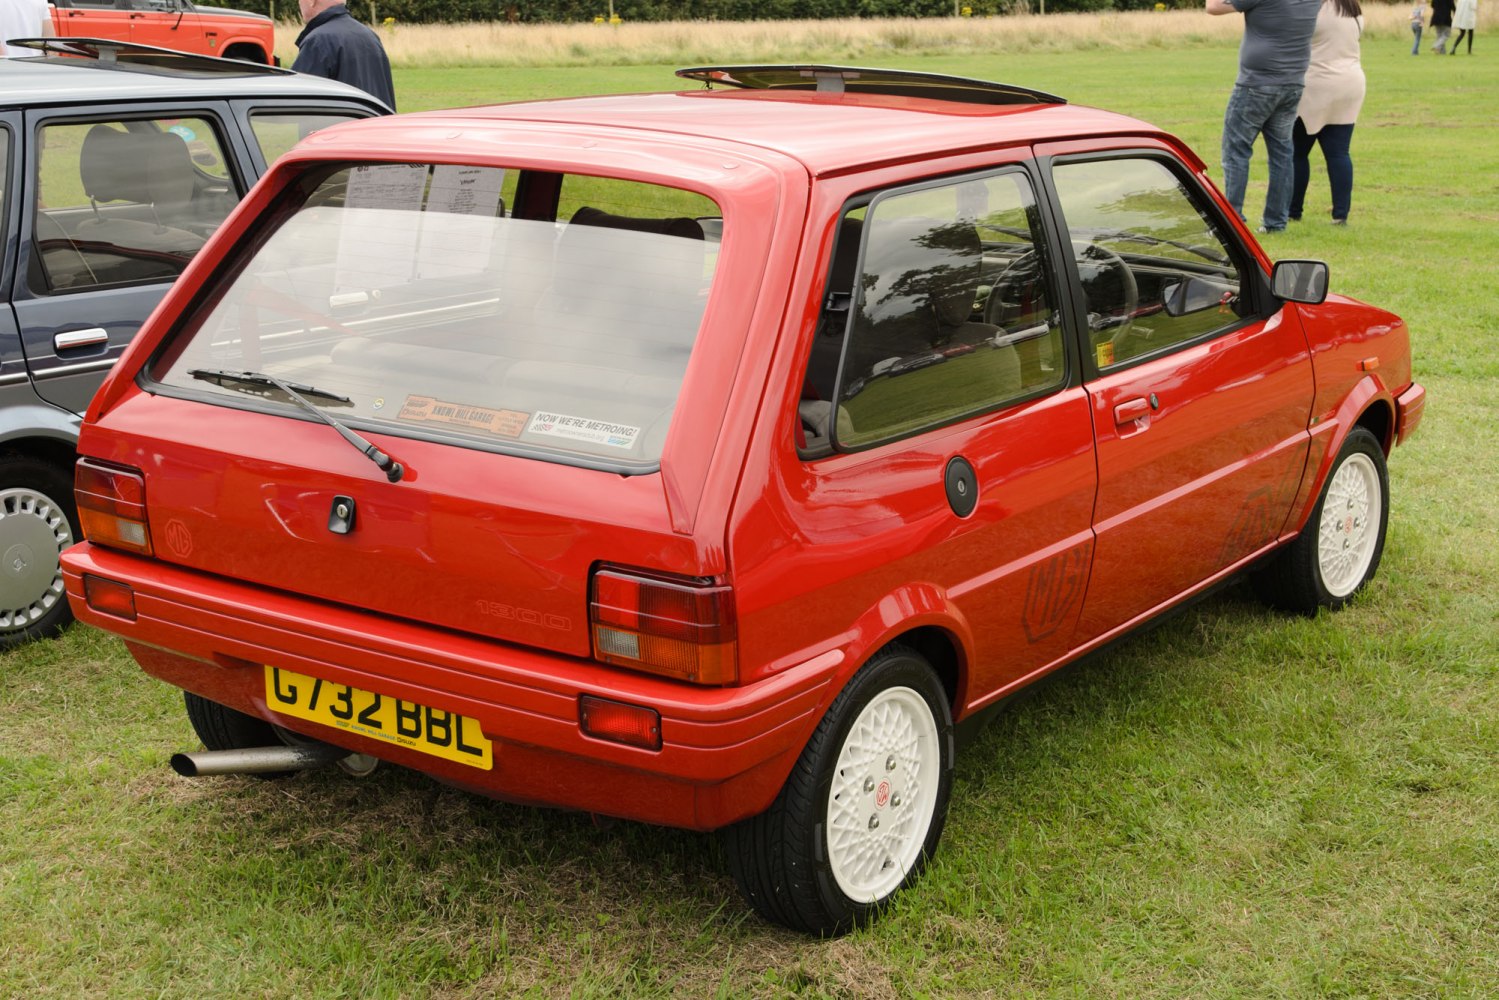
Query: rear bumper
{"points": [[725, 752], [1409, 406]]}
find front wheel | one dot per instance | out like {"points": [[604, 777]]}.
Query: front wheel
{"points": [[1339, 549], [863, 809]]}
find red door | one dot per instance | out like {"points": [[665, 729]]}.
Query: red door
{"points": [[1200, 388]]}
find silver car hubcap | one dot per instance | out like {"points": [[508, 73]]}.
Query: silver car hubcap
{"points": [[883, 794], [33, 532]]}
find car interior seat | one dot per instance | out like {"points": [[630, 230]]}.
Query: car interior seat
{"points": [[149, 169]]}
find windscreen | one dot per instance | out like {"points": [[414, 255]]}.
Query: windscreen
{"points": [[414, 300]]}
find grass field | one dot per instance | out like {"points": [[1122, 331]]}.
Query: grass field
{"points": [[1236, 804]]}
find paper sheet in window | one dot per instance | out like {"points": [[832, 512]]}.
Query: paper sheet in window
{"points": [[458, 228], [381, 227]]}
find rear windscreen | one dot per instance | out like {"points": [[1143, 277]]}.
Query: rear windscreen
{"points": [[542, 314]]}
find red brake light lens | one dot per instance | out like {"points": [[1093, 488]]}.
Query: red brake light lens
{"points": [[109, 597], [633, 725], [681, 628], [112, 505]]}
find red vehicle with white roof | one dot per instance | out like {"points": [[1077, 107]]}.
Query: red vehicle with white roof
{"points": [[704, 458]]}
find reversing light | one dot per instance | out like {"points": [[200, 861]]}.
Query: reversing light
{"points": [[109, 597], [679, 627], [112, 505], [633, 725]]}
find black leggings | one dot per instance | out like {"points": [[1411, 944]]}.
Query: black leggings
{"points": [[1460, 33]]}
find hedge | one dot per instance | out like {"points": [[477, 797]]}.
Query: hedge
{"points": [[536, 11]]}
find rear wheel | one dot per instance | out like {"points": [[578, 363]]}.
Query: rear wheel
{"points": [[1339, 549], [37, 521], [863, 809]]}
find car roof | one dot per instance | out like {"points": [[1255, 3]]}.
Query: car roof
{"points": [[158, 73], [828, 133]]}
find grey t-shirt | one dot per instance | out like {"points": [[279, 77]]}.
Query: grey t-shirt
{"points": [[1277, 43]]}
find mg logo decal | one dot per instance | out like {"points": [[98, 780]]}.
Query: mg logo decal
{"points": [[1054, 589], [179, 539]]}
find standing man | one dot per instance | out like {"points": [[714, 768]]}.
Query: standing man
{"points": [[23, 19], [334, 45], [1273, 57], [1441, 23]]}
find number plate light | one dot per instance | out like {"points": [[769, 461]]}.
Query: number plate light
{"points": [[678, 627], [112, 505]]}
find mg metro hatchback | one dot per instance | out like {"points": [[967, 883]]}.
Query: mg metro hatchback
{"points": [[703, 458]]}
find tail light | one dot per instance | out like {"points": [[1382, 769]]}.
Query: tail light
{"points": [[682, 628], [112, 505]]}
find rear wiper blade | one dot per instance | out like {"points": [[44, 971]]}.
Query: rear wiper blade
{"points": [[247, 381], [298, 393]]}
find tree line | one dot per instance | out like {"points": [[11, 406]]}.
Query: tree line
{"points": [[554, 11]]}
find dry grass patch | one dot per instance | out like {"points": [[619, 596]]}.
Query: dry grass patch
{"points": [[840, 40]]}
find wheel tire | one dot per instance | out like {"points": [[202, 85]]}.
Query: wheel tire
{"points": [[223, 728], [882, 756], [37, 521], [1339, 550]]}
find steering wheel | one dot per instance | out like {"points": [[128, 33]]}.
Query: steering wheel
{"points": [[1105, 261], [1024, 270]]}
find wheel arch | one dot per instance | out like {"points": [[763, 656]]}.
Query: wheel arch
{"points": [[246, 49]]}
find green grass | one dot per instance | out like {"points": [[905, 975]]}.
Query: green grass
{"points": [[1235, 804]]}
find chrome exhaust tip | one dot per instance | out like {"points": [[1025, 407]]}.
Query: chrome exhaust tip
{"points": [[258, 760]]}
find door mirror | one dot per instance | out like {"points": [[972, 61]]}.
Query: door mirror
{"points": [[1300, 281], [1193, 294]]}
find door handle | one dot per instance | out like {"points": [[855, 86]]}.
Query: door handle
{"points": [[1131, 410], [74, 339]]}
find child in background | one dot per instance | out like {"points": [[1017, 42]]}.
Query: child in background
{"points": [[1418, 15]]}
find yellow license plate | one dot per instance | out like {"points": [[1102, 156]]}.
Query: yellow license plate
{"points": [[381, 717]]}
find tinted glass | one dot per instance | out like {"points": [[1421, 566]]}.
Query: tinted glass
{"points": [[124, 202], [950, 312], [409, 291], [1153, 264]]}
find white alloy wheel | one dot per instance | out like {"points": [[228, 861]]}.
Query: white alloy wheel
{"points": [[883, 794], [1348, 531]]}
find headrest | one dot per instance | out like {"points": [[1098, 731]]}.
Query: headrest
{"points": [[145, 167], [681, 226]]}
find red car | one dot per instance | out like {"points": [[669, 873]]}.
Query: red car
{"points": [[170, 24], [704, 458]]}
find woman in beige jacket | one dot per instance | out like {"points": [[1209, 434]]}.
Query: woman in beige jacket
{"points": [[1330, 104]]}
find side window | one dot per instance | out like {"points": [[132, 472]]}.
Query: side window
{"points": [[1154, 267], [123, 202], [278, 132], [939, 306]]}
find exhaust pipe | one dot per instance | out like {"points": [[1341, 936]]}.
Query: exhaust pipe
{"points": [[257, 760]]}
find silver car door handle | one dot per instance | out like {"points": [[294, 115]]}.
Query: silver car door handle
{"points": [[80, 338]]}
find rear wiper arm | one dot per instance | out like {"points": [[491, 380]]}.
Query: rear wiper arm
{"points": [[298, 393]]}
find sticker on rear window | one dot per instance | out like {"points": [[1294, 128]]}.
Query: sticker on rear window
{"points": [[583, 429], [425, 409]]}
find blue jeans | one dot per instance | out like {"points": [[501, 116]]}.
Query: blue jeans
{"points": [[1334, 140], [1416, 30], [1252, 112]]}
